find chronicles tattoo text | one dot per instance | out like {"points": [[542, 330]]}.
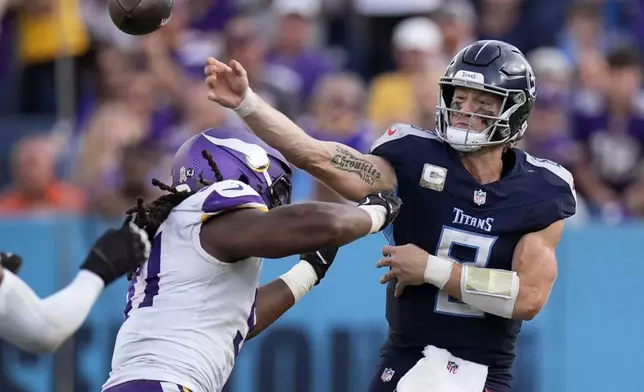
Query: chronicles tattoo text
{"points": [[345, 160]]}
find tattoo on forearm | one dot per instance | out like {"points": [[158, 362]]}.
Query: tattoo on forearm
{"points": [[345, 160]]}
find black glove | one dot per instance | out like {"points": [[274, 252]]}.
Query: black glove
{"points": [[11, 261], [118, 252], [321, 260], [387, 199]]}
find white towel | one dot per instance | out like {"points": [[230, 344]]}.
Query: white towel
{"points": [[440, 371]]}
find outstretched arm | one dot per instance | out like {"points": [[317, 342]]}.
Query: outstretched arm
{"points": [[345, 170], [315, 229], [295, 229], [42, 325]]}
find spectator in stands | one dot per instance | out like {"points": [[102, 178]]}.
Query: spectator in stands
{"points": [[175, 61], [200, 115], [548, 134], [549, 130], [292, 47], [130, 179], [34, 187], [457, 20], [189, 44], [278, 85], [406, 95], [499, 19], [211, 16], [338, 114], [120, 121], [583, 31], [610, 128], [378, 19], [48, 29]]}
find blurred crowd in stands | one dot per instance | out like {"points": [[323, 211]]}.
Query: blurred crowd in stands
{"points": [[88, 115]]}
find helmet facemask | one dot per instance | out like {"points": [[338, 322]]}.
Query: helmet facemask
{"points": [[499, 130]]}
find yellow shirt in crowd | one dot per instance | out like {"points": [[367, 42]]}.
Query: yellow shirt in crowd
{"points": [[391, 99], [42, 36]]}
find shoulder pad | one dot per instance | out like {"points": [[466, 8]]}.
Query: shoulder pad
{"points": [[568, 197], [215, 199], [229, 194], [400, 131]]}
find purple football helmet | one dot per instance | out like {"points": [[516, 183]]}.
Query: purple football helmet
{"points": [[239, 155]]}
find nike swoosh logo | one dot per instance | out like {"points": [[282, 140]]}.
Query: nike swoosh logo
{"points": [[321, 258], [236, 188]]}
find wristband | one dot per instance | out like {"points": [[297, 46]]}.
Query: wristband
{"points": [[378, 215], [438, 271], [248, 104], [300, 279]]}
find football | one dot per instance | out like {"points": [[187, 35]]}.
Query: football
{"points": [[139, 17]]}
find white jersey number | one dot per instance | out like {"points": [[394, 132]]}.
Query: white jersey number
{"points": [[482, 245]]}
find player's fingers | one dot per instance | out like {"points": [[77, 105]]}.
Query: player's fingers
{"points": [[211, 81], [399, 289], [391, 275], [386, 277], [388, 250], [211, 61], [384, 262], [211, 70], [237, 68]]}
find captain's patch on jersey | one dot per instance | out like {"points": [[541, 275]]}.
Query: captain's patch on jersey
{"points": [[433, 177]]}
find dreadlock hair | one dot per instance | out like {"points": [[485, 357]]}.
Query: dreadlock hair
{"points": [[149, 217]]}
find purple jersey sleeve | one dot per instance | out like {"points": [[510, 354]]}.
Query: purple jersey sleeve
{"points": [[230, 194]]}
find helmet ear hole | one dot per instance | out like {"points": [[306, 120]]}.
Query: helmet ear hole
{"points": [[244, 178]]}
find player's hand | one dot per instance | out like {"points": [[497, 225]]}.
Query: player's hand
{"points": [[321, 260], [11, 261], [227, 82], [407, 264], [387, 200], [118, 252]]}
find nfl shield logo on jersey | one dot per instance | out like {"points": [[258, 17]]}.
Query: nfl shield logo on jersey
{"points": [[479, 197], [387, 375]]}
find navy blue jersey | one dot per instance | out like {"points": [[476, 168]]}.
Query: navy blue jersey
{"points": [[449, 214]]}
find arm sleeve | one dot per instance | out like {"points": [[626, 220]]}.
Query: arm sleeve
{"points": [[42, 325]]}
